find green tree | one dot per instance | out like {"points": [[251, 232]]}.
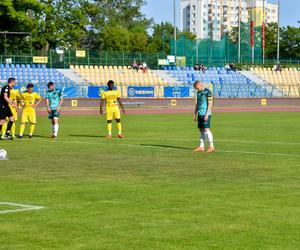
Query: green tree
{"points": [[290, 42], [188, 35], [126, 13], [19, 16], [115, 38], [271, 40], [162, 35], [65, 23], [234, 35], [119, 17], [138, 39], [160, 39]]}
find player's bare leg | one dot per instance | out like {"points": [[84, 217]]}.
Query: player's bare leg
{"points": [[210, 140]]}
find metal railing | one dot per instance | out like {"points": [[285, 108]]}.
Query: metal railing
{"points": [[65, 58]]}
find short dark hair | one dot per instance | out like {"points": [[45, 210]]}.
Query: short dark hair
{"points": [[50, 84], [29, 86], [195, 83], [110, 82], [11, 79]]}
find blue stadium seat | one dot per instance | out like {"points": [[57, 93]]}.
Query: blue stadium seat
{"points": [[235, 81]]}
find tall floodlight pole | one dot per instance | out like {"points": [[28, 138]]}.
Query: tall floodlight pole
{"points": [[197, 53], [175, 31], [197, 41], [278, 33], [239, 45], [252, 20], [264, 31]]}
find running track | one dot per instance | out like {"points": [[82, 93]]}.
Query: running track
{"points": [[174, 110]]}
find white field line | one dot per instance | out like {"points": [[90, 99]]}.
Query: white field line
{"points": [[167, 148], [193, 139], [217, 140], [257, 153], [20, 207]]}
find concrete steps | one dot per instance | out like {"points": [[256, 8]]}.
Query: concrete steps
{"points": [[167, 77], [263, 83], [73, 76]]}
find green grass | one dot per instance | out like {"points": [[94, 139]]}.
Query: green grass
{"points": [[150, 191]]}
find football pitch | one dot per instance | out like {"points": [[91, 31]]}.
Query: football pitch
{"points": [[150, 190]]}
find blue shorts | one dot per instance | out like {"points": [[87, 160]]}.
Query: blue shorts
{"points": [[202, 123], [53, 114]]}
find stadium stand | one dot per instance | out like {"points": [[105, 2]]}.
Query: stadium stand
{"points": [[33, 73], [287, 80], [122, 75], [38, 75], [228, 84]]}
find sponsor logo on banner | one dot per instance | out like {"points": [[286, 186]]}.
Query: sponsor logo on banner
{"points": [[176, 92], [163, 62], [80, 53], [40, 59], [140, 91]]}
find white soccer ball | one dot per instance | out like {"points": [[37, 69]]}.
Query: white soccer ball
{"points": [[3, 154]]}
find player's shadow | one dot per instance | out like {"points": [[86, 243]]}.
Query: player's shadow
{"points": [[165, 146], [89, 136]]}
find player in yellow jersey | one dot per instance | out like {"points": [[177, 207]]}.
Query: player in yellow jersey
{"points": [[14, 97], [28, 101], [112, 98]]}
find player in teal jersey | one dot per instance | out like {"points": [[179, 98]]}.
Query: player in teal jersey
{"points": [[202, 114], [54, 100]]}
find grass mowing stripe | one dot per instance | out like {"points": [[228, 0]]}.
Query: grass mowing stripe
{"points": [[258, 153], [193, 139], [217, 140], [136, 197], [168, 148]]}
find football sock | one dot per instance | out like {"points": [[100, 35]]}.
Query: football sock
{"points": [[9, 125], [119, 125], [55, 129], [3, 128], [202, 139], [210, 138], [22, 128], [31, 129], [13, 130], [109, 128]]}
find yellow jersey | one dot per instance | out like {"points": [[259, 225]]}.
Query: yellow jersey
{"points": [[14, 95], [111, 97], [28, 99]]}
